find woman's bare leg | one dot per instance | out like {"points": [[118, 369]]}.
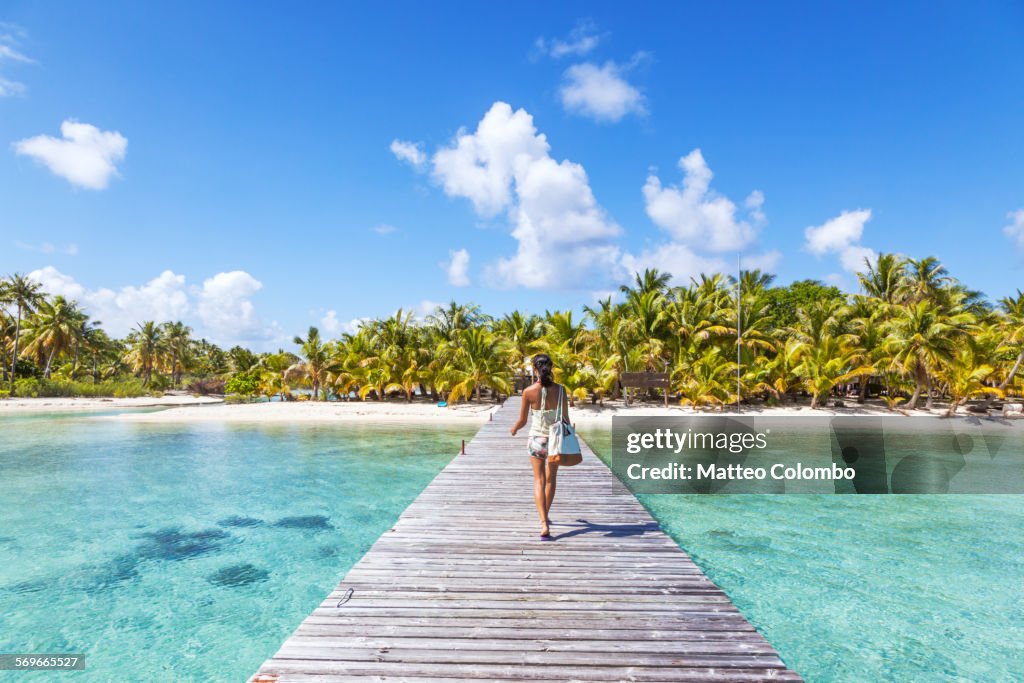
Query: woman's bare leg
{"points": [[549, 489], [539, 495]]}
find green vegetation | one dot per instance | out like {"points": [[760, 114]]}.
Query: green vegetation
{"points": [[912, 334]]}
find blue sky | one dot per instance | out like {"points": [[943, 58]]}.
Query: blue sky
{"points": [[248, 150]]}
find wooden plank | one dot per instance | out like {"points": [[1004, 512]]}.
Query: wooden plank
{"points": [[462, 589]]}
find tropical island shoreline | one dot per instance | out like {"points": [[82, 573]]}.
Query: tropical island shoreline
{"points": [[207, 409]]}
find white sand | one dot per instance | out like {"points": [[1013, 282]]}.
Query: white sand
{"points": [[396, 411], [17, 406], [186, 408], [587, 415]]}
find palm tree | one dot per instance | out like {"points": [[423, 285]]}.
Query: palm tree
{"points": [[1013, 325], [826, 364], [708, 380], [884, 280], [448, 321], [399, 348], [867, 334], [26, 294], [178, 338], [477, 360], [317, 360], [145, 350], [54, 329], [921, 337], [965, 378], [523, 333], [652, 280]]}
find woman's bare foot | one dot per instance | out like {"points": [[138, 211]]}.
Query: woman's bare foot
{"points": [[545, 532]]}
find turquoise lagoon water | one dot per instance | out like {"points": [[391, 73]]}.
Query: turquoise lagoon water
{"points": [[865, 588], [188, 553]]}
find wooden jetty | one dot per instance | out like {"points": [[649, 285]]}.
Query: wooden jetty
{"points": [[462, 588]]}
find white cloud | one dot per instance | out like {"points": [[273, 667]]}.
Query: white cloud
{"points": [[225, 308], [335, 327], [580, 41], [457, 268], [563, 234], [600, 92], [424, 308], [754, 204], [696, 215], [765, 262], [162, 298], [842, 235], [837, 233], [480, 166], [674, 258], [84, 155], [384, 229], [10, 88], [10, 37], [837, 279], [220, 310], [70, 249], [1015, 229], [9, 53], [855, 258], [410, 152]]}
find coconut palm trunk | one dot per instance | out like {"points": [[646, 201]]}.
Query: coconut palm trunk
{"points": [[990, 398], [921, 383], [14, 357]]}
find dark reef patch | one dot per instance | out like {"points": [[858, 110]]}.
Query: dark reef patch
{"points": [[314, 522], [240, 522], [238, 575], [174, 544]]}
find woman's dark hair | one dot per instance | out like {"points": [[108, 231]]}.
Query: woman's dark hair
{"points": [[543, 366]]}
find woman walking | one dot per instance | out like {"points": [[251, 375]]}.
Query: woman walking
{"points": [[541, 404]]}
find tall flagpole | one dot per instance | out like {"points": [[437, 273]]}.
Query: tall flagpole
{"points": [[739, 326]]}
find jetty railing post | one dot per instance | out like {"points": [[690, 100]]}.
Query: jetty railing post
{"points": [[463, 447]]}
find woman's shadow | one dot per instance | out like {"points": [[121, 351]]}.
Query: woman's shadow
{"points": [[610, 530]]}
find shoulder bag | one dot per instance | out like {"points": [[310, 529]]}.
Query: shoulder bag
{"points": [[563, 446]]}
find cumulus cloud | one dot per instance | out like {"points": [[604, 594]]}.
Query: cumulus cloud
{"points": [[334, 327], [220, 309], [84, 155], [600, 92], [410, 152], [841, 236], [674, 258], [384, 229], [696, 215], [701, 224], [457, 267], [580, 41], [754, 204], [562, 233], [1015, 229], [165, 297], [225, 308]]}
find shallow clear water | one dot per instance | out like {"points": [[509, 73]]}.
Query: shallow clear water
{"points": [[865, 588], [189, 552]]}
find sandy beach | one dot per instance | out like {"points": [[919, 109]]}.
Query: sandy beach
{"points": [[185, 408], [583, 415], [20, 406], [320, 412]]}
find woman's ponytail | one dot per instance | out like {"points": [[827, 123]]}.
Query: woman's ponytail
{"points": [[544, 368]]}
